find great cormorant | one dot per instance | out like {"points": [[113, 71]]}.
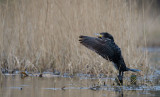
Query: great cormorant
{"points": [[105, 46]]}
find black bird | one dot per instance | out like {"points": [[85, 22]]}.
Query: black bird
{"points": [[105, 46]]}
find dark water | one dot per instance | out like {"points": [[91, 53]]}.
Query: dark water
{"points": [[80, 86], [57, 86]]}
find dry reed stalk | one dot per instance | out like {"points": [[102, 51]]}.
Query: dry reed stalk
{"points": [[41, 35]]}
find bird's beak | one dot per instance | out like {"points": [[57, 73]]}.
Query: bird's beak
{"points": [[99, 35]]}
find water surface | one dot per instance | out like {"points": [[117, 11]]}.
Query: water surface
{"points": [[15, 86]]}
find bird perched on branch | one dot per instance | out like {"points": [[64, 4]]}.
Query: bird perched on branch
{"points": [[105, 46]]}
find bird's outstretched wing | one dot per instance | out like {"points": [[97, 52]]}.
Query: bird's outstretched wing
{"points": [[106, 48]]}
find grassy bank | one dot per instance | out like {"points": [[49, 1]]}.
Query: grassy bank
{"points": [[43, 35]]}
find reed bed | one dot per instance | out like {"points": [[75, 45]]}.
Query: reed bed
{"points": [[43, 35]]}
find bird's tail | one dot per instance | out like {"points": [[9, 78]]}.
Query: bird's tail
{"points": [[134, 70]]}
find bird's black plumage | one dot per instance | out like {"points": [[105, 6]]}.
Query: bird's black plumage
{"points": [[105, 46]]}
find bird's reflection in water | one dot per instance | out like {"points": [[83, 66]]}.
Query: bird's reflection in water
{"points": [[119, 91], [120, 94]]}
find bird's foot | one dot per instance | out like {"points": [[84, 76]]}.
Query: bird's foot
{"points": [[119, 80]]}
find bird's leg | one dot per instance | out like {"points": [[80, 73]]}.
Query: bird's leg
{"points": [[122, 74], [120, 78], [119, 72]]}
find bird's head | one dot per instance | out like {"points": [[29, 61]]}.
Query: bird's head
{"points": [[105, 35]]}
